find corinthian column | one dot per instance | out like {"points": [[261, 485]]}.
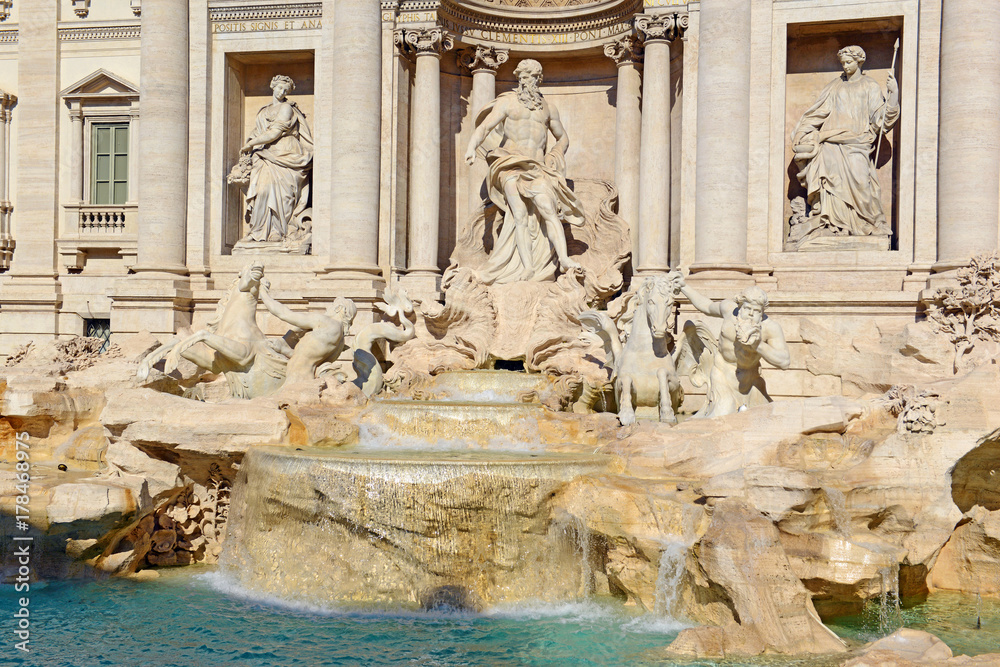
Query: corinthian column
{"points": [[969, 139], [483, 62], [654, 152], [356, 138], [627, 54], [425, 154], [723, 152], [163, 137]]}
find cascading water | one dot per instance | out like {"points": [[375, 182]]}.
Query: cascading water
{"points": [[883, 615], [668, 578], [838, 511], [399, 526]]}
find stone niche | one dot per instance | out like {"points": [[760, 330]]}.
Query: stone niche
{"points": [[248, 88], [582, 88], [812, 64]]}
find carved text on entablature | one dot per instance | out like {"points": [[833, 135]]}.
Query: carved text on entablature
{"points": [[540, 39], [267, 26]]}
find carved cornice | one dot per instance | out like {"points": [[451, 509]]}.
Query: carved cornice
{"points": [[407, 6], [8, 36], [423, 42], [99, 32], [291, 10], [661, 27], [626, 50], [483, 58]]}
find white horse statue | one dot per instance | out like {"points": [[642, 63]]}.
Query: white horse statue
{"points": [[643, 367], [235, 344]]}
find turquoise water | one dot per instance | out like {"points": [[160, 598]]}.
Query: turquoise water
{"points": [[949, 616], [194, 618]]}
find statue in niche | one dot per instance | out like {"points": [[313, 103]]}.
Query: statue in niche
{"points": [[275, 165], [833, 145], [527, 183], [730, 364]]}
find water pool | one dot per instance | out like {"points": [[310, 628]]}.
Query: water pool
{"points": [[194, 618]]}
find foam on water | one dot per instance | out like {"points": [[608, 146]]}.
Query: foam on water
{"points": [[583, 612]]}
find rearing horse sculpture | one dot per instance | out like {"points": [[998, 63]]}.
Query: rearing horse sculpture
{"points": [[237, 346], [643, 368]]}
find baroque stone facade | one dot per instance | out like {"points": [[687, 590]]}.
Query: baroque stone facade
{"points": [[119, 123]]}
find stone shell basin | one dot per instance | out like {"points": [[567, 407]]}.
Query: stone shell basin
{"points": [[471, 528]]}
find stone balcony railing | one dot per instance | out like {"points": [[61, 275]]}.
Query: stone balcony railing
{"points": [[95, 219], [94, 227]]}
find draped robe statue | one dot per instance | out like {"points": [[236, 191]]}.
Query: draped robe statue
{"points": [[280, 151], [833, 143]]}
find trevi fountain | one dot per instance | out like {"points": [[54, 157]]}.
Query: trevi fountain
{"points": [[500, 332]]}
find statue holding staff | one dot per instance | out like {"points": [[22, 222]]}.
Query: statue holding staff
{"points": [[833, 144]]}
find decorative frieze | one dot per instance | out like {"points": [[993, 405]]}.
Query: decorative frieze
{"points": [[541, 4], [429, 41], [661, 26], [99, 32], [483, 58], [271, 12], [8, 36], [626, 50]]}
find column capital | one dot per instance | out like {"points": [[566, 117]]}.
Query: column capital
{"points": [[423, 41], [626, 50], [7, 101], [483, 58], [661, 27]]}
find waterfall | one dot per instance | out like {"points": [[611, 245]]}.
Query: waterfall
{"points": [[882, 615], [406, 527], [668, 578], [838, 510]]}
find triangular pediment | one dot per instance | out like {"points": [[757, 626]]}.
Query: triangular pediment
{"points": [[101, 83]]}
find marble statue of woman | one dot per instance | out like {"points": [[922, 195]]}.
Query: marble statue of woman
{"points": [[281, 151], [833, 143]]}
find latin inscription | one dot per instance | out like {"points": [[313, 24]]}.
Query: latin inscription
{"points": [[417, 17], [543, 39], [267, 26]]}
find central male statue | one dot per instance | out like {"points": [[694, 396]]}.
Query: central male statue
{"points": [[527, 183]]}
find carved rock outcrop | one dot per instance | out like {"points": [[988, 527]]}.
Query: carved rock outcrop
{"points": [[741, 568]]}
